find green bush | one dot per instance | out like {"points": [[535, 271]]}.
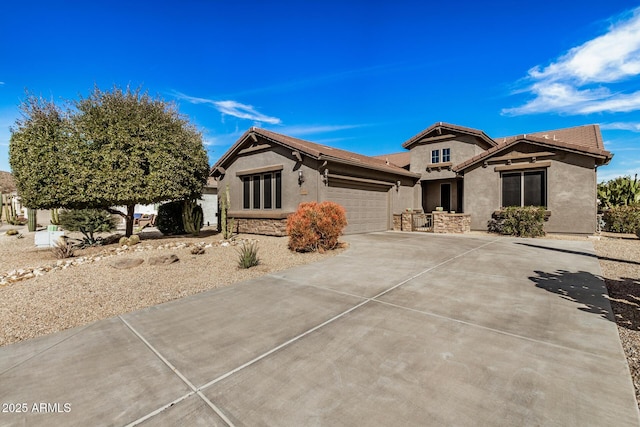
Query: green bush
{"points": [[248, 255], [169, 220], [88, 222], [622, 219], [525, 221]]}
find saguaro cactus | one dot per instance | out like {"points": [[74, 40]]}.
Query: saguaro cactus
{"points": [[192, 218], [55, 216], [225, 224], [32, 220]]}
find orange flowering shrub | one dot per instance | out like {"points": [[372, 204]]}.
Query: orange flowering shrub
{"points": [[316, 226]]}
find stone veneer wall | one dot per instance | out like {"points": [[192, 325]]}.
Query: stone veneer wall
{"points": [[397, 222], [451, 223], [268, 227]]}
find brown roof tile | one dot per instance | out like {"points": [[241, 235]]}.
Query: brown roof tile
{"points": [[402, 159], [318, 151], [449, 127], [584, 147], [588, 136]]}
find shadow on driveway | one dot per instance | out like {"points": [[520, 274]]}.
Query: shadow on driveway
{"points": [[568, 251], [623, 295]]}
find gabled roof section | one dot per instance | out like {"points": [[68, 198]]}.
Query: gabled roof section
{"points": [[588, 136], [442, 128], [402, 159], [585, 147], [311, 149]]}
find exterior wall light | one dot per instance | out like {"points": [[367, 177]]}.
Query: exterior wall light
{"points": [[398, 185], [300, 177]]}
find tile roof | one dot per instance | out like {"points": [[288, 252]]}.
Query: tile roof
{"points": [[449, 127], [318, 151], [402, 159], [588, 136], [588, 146]]}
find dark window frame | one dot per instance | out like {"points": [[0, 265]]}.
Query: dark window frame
{"points": [[262, 191], [435, 156], [521, 185], [446, 155]]}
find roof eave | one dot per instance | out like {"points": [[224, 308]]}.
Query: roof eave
{"points": [[396, 171]]}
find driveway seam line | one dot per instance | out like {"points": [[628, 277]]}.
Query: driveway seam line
{"points": [[81, 329], [336, 317], [175, 370], [428, 313]]}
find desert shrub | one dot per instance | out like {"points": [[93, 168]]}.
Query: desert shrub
{"points": [[520, 221], [134, 239], [622, 219], [248, 255], [316, 226], [88, 222], [169, 220], [63, 249]]}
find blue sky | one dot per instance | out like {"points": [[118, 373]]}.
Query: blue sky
{"points": [[360, 75]]}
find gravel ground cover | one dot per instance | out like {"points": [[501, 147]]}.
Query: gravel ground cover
{"points": [[91, 291], [95, 290], [620, 265]]}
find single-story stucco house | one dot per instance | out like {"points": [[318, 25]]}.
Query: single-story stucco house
{"points": [[445, 167]]}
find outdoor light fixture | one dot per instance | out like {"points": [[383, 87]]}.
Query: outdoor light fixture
{"points": [[398, 185], [300, 178]]}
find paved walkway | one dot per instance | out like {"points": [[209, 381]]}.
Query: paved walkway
{"points": [[401, 329]]}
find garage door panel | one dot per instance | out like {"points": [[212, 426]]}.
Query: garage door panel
{"points": [[367, 207]]}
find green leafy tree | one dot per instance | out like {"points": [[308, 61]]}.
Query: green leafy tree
{"points": [[117, 148]]}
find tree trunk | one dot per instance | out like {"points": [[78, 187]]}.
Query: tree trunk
{"points": [[129, 220]]}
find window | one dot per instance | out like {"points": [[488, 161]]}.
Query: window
{"points": [[435, 156], [524, 189], [446, 154], [262, 191]]}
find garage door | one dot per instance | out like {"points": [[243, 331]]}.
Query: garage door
{"points": [[367, 207]]}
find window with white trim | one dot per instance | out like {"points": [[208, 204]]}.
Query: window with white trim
{"points": [[262, 191], [446, 155], [435, 156], [526, 188]]}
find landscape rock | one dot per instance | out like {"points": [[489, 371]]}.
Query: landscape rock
{"points": [[163, 259], [126, 263]]}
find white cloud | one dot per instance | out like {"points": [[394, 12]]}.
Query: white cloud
{"points": [[231, 108], [300, 130], [2, 83], [577, 82], [243, 111], [630, 126]]}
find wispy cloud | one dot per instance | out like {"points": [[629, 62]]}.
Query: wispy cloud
{"points": [[231, 108], [1, 83], [630, 126], [582, 80], [301, 130]]}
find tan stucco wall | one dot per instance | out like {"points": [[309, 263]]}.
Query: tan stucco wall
{"points": [[431, 195], [292, 193], [463, 147], [571, 193]]}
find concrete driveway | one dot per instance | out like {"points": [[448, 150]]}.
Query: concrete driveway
{"points": [[401, 329]]}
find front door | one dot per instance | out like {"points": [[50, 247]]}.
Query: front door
{"points": [[445, 197]]}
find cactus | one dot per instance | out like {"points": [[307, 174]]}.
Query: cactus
{"points": [[225, 224], [192, 217], [10, 212], [55, 217], [32, 219]]}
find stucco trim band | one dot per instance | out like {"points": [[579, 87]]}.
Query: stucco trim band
{"points": [[520, 166], [270, 168]]}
